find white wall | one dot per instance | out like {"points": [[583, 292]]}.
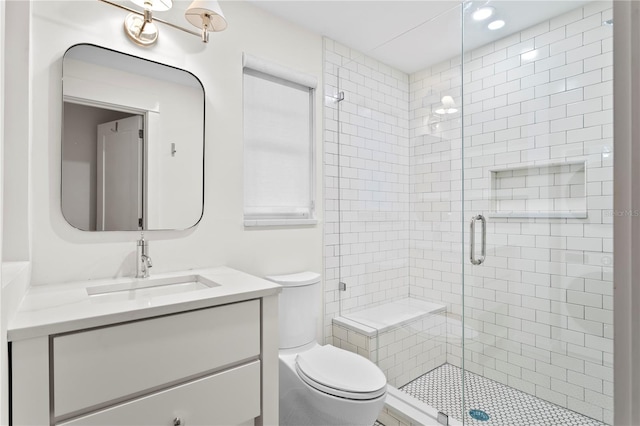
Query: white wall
{"points": [[14, 148], [17, 133], [61, 253], [627, 200]]}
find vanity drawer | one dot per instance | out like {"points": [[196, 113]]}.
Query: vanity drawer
{"points": [[108, 365], [228, 398]]}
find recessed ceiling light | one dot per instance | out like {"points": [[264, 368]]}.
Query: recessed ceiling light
{"points": [[496, 25], [482, 13]]}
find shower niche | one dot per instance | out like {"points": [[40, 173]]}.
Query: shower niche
{"points": [[552, 190]]}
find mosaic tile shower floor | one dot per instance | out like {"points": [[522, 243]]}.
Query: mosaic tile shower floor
{"points": [[505, 406]]}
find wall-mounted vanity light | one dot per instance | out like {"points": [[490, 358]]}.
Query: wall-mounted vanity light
{"points": [[207, 15], [140, 27]]}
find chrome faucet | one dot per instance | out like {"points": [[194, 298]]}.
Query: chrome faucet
{"points": [[143, 261]]}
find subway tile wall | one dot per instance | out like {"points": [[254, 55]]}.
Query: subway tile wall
{"points": [[542, 302], [366, 182]]}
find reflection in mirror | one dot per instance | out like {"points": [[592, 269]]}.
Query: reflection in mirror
{"points": [[132, 143]]}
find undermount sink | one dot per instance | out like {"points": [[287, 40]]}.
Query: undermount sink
{"points": [[148, 288]]}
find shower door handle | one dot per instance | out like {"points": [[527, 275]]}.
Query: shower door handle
{"points": [[472, 240]]}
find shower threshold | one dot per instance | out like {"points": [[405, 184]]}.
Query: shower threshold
{"points": [[404, 410]]}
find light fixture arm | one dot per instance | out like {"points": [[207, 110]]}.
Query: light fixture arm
{"points": [[143, 14], [206, 21], [148, 18]]}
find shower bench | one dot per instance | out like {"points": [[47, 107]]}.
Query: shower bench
{"points": [[406, 338]]}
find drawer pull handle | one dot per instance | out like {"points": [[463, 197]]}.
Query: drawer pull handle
{"points": [[177, 422]]}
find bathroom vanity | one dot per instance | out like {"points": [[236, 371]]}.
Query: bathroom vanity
{"points": [[194, 348]]}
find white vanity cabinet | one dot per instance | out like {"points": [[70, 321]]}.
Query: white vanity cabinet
{"points": [[214, 365], [98, 367], [231, 397]]}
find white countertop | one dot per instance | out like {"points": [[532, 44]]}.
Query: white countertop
{"points": [[61, 308]]}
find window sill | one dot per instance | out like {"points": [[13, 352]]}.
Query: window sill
{"points": [[279, 222]]}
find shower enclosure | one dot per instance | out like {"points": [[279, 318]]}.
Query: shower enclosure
{"points": [[469, 224]]}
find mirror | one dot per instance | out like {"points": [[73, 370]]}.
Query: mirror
{"points": [[132, 142]]}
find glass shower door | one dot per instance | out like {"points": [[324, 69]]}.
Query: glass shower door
{"points": [[537, 226], [393, 199]]}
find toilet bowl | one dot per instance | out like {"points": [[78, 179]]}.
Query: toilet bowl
{"points": [[320, 385]]}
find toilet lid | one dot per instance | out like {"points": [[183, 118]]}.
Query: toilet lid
{"points": [[341, 373]]}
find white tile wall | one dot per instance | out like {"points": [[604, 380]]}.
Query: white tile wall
{"points": [[366, 182], [542, 302]]}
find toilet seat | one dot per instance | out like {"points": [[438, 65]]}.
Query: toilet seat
{"points": [[341, 373]]}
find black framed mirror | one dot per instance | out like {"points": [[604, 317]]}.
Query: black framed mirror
{"points": [[132, 142]]}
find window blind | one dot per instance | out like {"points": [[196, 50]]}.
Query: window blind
{"points": [[278, 137]]}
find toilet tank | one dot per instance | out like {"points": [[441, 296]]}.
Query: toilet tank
{"points": [[299, 308]]}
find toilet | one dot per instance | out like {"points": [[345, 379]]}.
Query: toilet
{"points": [[320, 385]]}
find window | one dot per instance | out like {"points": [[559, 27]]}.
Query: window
{"points": [[278, 145]]}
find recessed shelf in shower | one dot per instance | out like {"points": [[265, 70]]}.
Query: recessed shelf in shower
{"points": [[552, 190]]}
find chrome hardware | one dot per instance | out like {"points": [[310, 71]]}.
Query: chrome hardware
{"points": [[443, 419], [143, 261], [472, 240], [342, 286], [340, 97], [177, 422]]}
